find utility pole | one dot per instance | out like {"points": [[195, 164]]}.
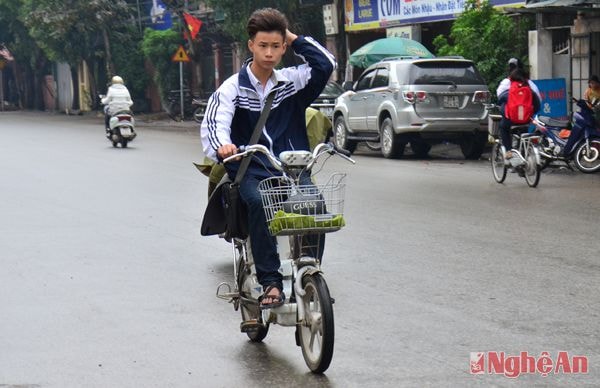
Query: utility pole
{"points": [[1, 87], [139, 16]]}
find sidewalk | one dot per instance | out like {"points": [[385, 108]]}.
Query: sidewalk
{"points": [[158, 121]]}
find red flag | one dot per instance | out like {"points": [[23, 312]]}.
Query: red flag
{"points": [[193, 24]]}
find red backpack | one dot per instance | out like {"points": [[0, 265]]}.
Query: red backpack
{"points": [[519, 107]]}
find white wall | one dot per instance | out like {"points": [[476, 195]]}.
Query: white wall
{"points": [[64, 82], [540, 54]]}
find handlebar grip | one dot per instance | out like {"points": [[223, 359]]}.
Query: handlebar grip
{"points": [[238, 151], [341, 150]]}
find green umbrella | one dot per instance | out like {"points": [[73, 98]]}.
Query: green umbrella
{"points": [[376, 50]]}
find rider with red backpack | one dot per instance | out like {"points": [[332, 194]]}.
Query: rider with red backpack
{"points": [[519, 98]]}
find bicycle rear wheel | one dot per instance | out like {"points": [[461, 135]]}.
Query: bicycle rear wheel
{"points": [[252, 324], [532, 168], [251, 313], [499, 169], [316, 332]]}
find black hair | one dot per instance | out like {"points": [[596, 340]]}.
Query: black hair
{"points": [[268, 20], [519, 75]]}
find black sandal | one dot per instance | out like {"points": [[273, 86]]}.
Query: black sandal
{"points": [[276, 300]]}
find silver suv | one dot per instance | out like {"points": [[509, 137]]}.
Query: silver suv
{"points": [[399, 101]]}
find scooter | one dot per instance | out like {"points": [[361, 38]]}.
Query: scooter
{"points": [[121, 128], [584, 149]]}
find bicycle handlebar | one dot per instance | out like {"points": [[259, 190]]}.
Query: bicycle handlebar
{"points": [[320, 149]]}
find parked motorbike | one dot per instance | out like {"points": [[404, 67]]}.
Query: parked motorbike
{"points": [[584, 150], [193, 107], [199, 109]]}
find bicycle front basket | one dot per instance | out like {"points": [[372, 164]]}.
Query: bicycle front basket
{"points": [[494, 125], [303, 209]]}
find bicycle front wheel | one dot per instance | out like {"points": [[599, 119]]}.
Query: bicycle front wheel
{"points": [[532, 168], [587, 156], [316, 332], [499, 169]]}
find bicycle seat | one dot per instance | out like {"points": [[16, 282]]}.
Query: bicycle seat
{"points": [[529, 134], [549, 121]]}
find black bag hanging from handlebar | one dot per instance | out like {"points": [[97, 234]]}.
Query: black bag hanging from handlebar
{"points": [[227, 194], [236, 213]]}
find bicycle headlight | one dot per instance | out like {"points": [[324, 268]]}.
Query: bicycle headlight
{"points": [[295, 158]]}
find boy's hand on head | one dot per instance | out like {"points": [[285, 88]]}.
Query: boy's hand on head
{"points": [[289, 37]]}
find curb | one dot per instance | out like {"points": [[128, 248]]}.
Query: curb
{"points": [[159, 121]]}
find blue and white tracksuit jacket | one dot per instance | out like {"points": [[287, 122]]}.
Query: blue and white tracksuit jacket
{"points": [[234, 109]]}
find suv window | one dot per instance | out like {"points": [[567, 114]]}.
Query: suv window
{"points": [[365, 81], [445, 72], [381, 78]]}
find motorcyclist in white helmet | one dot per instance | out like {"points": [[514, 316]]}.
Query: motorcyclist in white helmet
{"points": [[117, 99]]}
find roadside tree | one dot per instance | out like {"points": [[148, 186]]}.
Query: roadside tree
{"points": [[488, 37]]}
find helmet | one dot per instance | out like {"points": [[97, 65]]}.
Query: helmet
{"points": [[117, 80]]}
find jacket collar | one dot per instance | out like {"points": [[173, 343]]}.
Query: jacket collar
{"points": [[244, 78]]}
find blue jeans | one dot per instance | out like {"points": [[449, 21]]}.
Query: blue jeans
{"points": [[505, 132], [264, 246]]}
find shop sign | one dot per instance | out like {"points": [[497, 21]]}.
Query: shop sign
{"points": [[361, 15], [370, 14], [554, 97], [400, 32]]}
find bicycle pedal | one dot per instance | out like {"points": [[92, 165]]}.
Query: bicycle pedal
{"points": [[224, 291]]}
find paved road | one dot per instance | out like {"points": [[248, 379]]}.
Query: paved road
{"points": [[106, 281]]}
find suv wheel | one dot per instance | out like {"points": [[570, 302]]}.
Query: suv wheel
{"points": [[391, 144], [340, 135], [472, 145]]}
